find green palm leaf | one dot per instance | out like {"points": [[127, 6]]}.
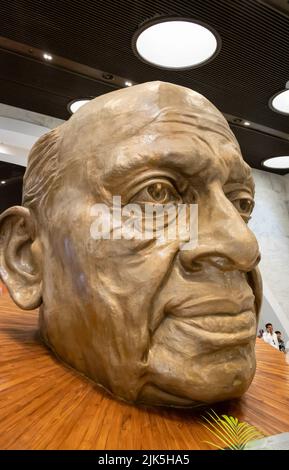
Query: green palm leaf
{"points": [[230, 432]]}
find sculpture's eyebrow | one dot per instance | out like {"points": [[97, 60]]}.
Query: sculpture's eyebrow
{"points": [[240, 177], [232, 186], [181, 162]]}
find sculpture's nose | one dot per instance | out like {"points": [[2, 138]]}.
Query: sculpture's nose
{"points": [[224, 239]]}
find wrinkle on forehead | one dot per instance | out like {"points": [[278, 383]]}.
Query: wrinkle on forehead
{"points": [[109, 122], [196, 118], [124, 113], [180, 145]]}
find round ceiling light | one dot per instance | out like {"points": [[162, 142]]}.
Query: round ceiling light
{"points": [[280, 102], [74, 105], [176, 43], [277, 163]]}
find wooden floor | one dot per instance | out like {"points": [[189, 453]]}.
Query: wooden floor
{"points": [[45, 405]]}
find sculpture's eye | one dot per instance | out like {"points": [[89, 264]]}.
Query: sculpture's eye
{"points": [[245, 206], [159, 192]]}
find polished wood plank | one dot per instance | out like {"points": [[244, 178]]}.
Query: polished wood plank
{"points": [[46, 405]]}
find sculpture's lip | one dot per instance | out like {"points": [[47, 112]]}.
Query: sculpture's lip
{"points": [[219, 329], [212, 305]]}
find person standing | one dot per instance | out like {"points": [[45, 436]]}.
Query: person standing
{"points": [[280, 341], [260, 334], [270, 337]]}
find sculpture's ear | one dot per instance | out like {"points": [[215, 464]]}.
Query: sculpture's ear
{"points": [[20, 257]]}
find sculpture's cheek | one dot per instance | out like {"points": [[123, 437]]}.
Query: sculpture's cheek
{"points": [[216, 376]]}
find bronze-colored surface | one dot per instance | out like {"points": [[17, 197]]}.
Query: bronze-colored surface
{"points": [[46, 405], [149, 322]]}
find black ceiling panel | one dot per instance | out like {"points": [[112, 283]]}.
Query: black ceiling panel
{"points": [[29, 84], [257, 146], [252, 65], [11, 180], [9, 170]]}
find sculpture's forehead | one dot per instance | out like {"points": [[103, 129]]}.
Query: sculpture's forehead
{"points": [[95, 131], [147, 123], [121, 114], [174, 137]]}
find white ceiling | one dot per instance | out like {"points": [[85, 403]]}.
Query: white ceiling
{"points": [[19, 130]]}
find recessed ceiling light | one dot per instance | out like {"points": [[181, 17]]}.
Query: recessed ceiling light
{"points": [[74, 105], [280, 102], [176, 43], [3, 182], [47, 56], [128, 83], [278, 163], [247, 123]]}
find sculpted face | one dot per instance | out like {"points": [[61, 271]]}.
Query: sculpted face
{"points": [[146, 320]]}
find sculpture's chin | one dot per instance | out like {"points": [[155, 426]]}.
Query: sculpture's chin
{"points": [[191, 361], [224, 374]]}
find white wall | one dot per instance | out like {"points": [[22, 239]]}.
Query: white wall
{"points": [[19, 130], [270, 223]]}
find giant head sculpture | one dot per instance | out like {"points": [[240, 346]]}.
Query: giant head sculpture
{"points": [[150, 322]]}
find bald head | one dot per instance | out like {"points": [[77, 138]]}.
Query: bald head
{"points": [[123, 113]]}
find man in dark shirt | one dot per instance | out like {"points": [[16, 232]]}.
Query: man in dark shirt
{"points": [[280, 341]]}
